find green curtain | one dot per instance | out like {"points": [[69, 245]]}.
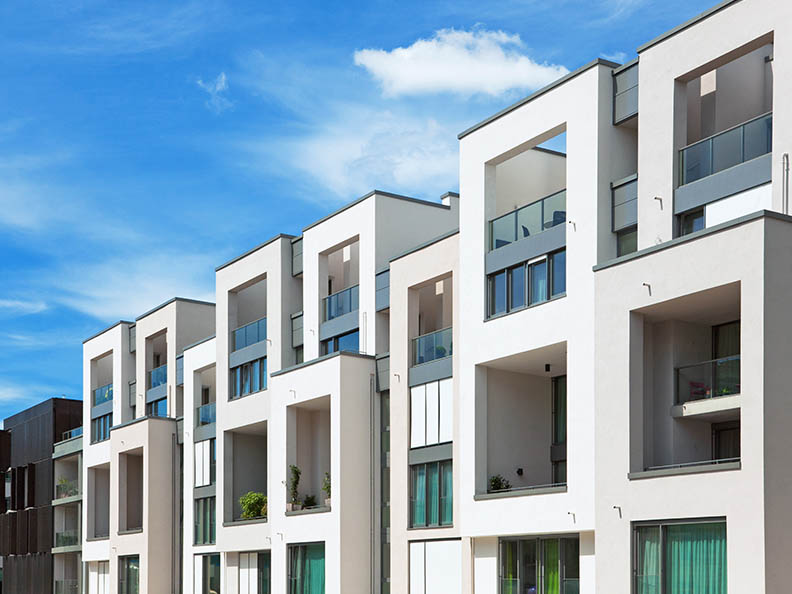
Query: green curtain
{"points": [[647, 572], [560, 409], [419, 495], [314, 569], [446, 494], [432, 494], [509, 556], [695, 558], [550, 563]]}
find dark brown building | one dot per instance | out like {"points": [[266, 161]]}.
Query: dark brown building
{"points": [[26, 521]]}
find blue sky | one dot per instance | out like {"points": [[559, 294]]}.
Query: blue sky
{"points": [[142, 144]]}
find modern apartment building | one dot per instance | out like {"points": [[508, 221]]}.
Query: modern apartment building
{"points": [[39, 526], [536, 387]]}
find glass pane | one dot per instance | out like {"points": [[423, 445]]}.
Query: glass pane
{"points": [[555, 210], [727, 150], [432, 494], [509, 558], [255, 376], [696, 162], [528, 573], [538, 279], [758, 137], [418, 495], [502, 231], [263, 565], [529, 220], [647, 560], [559, 409], [550, 567], [559, 472], [239, 339], [264, 373], [246, 379], [349, 342], [726, 376], [626, 242], [571, 559], [726, 340], [446, 494], [692, 221], [558, 261], [517, 287], [497, 293], [695, 558], [251, 334]]}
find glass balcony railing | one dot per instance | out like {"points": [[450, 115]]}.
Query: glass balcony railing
{"points": [[158, 376], [710, 379], [433, 346], [66, 488], [206, 414], [67, 538], [103, 394], [726, 149], [528, 220], [341, 303], [76, 432], [250, 334], [67, 587]]}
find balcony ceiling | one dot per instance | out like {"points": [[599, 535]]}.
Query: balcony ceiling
{"points": [[713, 306]]}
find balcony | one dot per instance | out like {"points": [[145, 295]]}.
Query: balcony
{"points": [[67, 538], [432, 346], [709, 379], [529, 220], [76, 432], [341, 303], [67, 586], [250, 334], [158, 376], [66, 488], [205, 414], [103, 394], [726, 149]]}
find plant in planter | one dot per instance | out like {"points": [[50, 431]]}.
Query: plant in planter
{"points": [[66, 488], [326, 488], [294, 484], [254, 505], [310, 501], [498, 483]]}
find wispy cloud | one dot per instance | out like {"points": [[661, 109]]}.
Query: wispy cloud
{"points": [[18, 306], [461, 62], [620, 57], [22, 395], [215, 89]]}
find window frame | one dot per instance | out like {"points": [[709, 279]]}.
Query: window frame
{"points": [[527, 266], [539, 559], [237, 374], [205, 515], [440, 495], [105, 423]]}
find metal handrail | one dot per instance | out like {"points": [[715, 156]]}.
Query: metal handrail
{"points": [[718, 360], [727, 130], [341, 291], [689, 464]]}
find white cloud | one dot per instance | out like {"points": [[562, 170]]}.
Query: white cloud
{"points": [[619, 57], [215, 89], [25, 394], [17, 306], [462, 62]]}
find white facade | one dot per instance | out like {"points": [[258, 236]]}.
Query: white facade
{"points": [[542, 384]]}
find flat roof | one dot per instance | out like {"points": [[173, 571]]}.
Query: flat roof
{"points": [[110, 327], [539, 93], [255, 249], [679, 28], [172, 300]]}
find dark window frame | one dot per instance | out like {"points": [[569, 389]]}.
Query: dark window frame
{"points": [[440, 495], [236, 384], [528, 266]]}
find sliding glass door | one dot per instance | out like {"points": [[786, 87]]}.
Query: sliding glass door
{"points": [[540, 565], [307, 568]]}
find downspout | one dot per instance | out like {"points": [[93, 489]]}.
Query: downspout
{"points": [[785, 182], [372, 485]]}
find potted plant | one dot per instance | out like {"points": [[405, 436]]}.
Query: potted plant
{"points": [[294, 484], [498, 483], [66, 488], [326, 488], [310, 501], [254, 505]]}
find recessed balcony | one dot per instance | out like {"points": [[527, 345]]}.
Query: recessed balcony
{"points": [[249, 334], [103, 394], [528, 221], [341, 303]]}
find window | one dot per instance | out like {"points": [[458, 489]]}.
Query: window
{"points": [[539, 565], [100, 428], [627, 241], [558, 452], [205, 462], [526, 284], [431, 494], [345, 342], [129, 574], [691, 221], [436, 567], [726, 440], [254, 573], [307, 568], [431, 413], [677, 557], [248, 378], [132, 397], [158, 408], [207, 574], [205, 521], [298, 355]]}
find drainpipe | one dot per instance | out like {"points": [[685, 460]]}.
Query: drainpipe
{"points": [[785, 182], [372, 484]]}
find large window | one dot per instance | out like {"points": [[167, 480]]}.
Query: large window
{"points": [[207, 574], [431, 413], [248, 378], [539, 565], [431, 494], [205, 462], [129, 575], [254, 573], [558, 453], [307, 568], [529, 283], [345, 342], [157, 408], [205, 521], [671, 557], [100, 428]]}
